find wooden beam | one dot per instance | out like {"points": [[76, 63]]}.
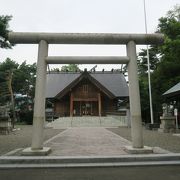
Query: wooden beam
{"points": [[87, 99], [71, 104], [80, 109], [99, 103], [91, 108]]}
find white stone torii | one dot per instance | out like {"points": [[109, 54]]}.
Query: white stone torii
{"points": [[43, 39]]}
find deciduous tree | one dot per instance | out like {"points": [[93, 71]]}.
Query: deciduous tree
{"points": [[70, 68]]}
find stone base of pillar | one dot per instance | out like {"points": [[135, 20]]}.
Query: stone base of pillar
{"points": [[144, 150], [38, 152]]}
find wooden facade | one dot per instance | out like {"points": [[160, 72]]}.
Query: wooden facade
{"points": [[85, 99]]}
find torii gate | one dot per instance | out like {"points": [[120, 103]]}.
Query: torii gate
{"points": [[43, 39]]}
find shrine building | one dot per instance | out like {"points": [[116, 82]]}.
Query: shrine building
{"points": [[97, 93]]}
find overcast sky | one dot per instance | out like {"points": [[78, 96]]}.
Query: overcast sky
{"points": [[83, 16]]}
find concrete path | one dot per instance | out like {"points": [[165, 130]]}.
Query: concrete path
{"points": [[87, 141]]}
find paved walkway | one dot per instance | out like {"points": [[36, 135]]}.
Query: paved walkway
{"points": [[87, 141]]}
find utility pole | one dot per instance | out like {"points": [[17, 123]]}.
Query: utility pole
{"points": [[149, 73]]}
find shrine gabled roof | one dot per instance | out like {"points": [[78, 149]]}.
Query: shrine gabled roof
{"points": [[57, 82], [111, 83], [114, 82], [175, 90]]}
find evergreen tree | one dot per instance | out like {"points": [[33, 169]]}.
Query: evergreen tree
{"points": [[4, 30], [164, 63]]}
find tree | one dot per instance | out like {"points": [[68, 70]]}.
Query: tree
{"points": [[142, 60], [4, 30], [175, 13], [164, 63], [8, 64], [23, 77], [70, 68], [154, 55], [167, 73], [18, 79], [55, 70], [6, 69]]}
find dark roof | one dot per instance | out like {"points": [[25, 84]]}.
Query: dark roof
{"points": [[56, 82], [175, 90], [113, 82]]}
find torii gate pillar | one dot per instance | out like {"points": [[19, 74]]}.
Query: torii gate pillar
{"points": [[135, 106], [134, 95], [39, 104]]}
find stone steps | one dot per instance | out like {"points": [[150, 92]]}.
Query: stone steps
{"points": [[65, 122], [89, 161]]}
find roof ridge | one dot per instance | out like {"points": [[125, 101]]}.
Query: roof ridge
{"points": [[80, 72]]}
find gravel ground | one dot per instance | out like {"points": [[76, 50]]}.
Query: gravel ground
{"points": [[22, 138], [153, 138]]}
